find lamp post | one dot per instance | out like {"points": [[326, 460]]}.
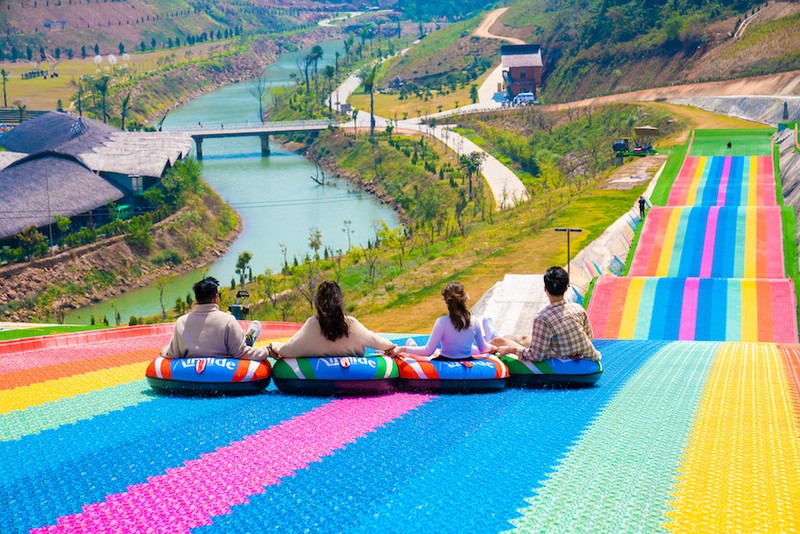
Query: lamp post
{"points": [[568, 231]]}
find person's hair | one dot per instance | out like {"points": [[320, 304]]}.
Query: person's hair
{"points": [[556, 281], [330, 311], [456, 299], [205, 290]]}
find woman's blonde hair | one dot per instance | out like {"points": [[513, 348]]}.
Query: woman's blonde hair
{"points": [[456, 299]]}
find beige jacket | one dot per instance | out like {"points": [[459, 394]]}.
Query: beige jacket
{"points": [[207, 331], [309, 341]]}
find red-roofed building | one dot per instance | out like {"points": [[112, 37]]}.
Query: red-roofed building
{"points": [[522, 68]]}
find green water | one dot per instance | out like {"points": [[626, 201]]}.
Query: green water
{"points": [[275, 196]]}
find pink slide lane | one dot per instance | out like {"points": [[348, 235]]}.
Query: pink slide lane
{"points": [[708, 246], [689, 310], [189, 496], [723, 182]]}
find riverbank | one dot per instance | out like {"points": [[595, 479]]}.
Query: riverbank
{"points": [[46, 288]]}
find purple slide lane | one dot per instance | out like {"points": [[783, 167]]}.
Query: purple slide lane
{"points": [[189, 496]]}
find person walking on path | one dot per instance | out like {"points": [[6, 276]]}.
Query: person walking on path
{"points": [[642, 206]]}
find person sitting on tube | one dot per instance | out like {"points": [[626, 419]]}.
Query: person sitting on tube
{"points": [[330, 332], [208, 331]]}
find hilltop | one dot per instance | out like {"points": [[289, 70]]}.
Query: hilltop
{"points": [[594, 48]]}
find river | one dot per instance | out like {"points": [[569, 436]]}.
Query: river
{"points": [[275, 196]]}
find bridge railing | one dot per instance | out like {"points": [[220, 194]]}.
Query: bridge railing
{"points": [[286, 125]]}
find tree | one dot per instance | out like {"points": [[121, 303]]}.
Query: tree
{"points": [[78, 98], [121, 49], [160, 283], [242, 264], [101, 85], [367, 75], [473, 93], [315, 240], [259, 90], [20, 108], [33, 243], [96, 49], [125, 108], [347, 228], [62, 223], [316, 55], [329, 72], [4, 74], [470, 165]]}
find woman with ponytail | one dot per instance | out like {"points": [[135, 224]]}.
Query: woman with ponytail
{"points": [[330, 332], [457, 333]]}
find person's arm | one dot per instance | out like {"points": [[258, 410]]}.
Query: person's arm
{"points": [[173, 349], [433, 341], [368, 337], [541, 335], [587, 326], [480, 344]]}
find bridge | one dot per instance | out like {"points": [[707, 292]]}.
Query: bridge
{"points": [[262, 130]]}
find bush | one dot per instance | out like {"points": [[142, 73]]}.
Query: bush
{"points": [[167, 256]]}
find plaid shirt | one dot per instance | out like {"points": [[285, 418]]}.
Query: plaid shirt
{"points": [[561, 330]]}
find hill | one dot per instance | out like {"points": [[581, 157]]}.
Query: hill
{"points": [[594, 47], [76, 26]]}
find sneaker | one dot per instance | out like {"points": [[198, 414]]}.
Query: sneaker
{"points": [[252, 333], [489, 332], [410, 342]]}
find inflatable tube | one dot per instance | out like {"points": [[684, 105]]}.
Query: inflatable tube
{"points": [[476, 374], [335, 375], [208, 376], [553, 372]]}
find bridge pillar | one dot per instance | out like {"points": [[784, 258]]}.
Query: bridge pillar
{"points": [[264, 144], [198, 141]]}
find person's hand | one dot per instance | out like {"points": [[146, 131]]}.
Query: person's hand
{"points": [[273, 353], [391, 352], [505, 351]]}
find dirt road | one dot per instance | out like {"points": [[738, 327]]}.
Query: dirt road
{"points": [[483, 28]]}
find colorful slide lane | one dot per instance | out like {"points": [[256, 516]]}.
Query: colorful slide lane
{"points": [[725, 181], [632, 457], [703, 309], [711, 242]]}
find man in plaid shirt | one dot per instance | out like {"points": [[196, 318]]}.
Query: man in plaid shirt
{"points": [[561, 330]]}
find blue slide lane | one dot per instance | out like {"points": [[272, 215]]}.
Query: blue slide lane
{"points": [[80, 463], [429, 470]]}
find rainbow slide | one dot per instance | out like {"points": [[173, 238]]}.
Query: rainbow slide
{"points": [[706, 309], [724, 181], [673, 438], [711, 242]]}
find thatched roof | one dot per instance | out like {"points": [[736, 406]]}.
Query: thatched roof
{"points": [[7, 158], [70, 185], [103, 147]]}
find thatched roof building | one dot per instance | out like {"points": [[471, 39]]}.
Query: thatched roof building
{"points": [[36, 188], [83, 162]]}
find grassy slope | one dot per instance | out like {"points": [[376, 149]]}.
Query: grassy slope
{"points": [[20, 333]]}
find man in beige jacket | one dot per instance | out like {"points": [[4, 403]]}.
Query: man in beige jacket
{"points": [[207, 331]]}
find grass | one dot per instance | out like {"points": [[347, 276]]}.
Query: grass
{"points": [[20, 333], [512, 245], [41, 94], [391, 107], [668, 175], [745, 142]]}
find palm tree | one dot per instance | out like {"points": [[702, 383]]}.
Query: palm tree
{"points": [[316, 55], [102, 87], [470, 165], [125, 108], [78, 98], [329, 72], [367, 75], [4, 74], [20, 108]]}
